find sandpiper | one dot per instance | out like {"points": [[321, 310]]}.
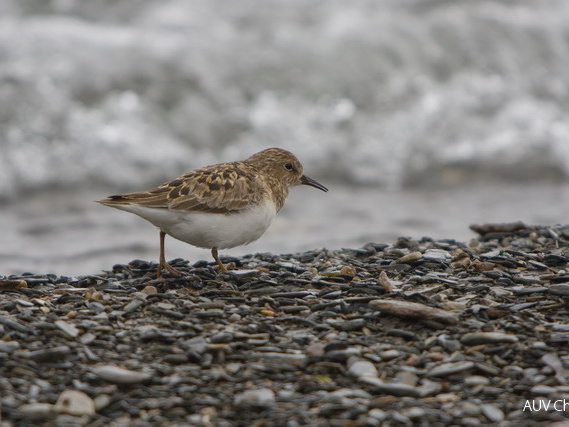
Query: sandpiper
{"points": [[220, 206]]}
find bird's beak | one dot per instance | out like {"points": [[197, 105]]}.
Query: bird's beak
{"points": [[309, 181]]}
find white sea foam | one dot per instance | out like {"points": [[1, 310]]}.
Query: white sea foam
{"points": [[405, 90]]}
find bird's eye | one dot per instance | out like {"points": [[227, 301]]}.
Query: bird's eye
{"points": [[288, 166]]}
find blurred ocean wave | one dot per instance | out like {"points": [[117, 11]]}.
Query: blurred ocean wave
{"points": [[387, 93]]}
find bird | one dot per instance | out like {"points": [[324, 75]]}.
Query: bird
{"points": [[219, 206]]}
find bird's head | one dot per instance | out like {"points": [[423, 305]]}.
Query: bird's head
{"points": [[284, 166]]}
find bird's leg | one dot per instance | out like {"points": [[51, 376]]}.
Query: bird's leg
{"points": [[163, 264], [219, 263]]}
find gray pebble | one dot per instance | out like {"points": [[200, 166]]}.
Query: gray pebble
{"points": [[362, 368], [102, 401], [477, 338], [292, 359], [75, 402], [134, 305], [176, 359], [36, 410], [476, 380], [390, 388], [543, 390], [116, 375], [222, 337], [389, 354], [50, 354], [257, 397], [377, 414], [70, 330], [492, 412], [560, 289], [409, 258], [450, 368], [470, 408], [437, 255], [449, 344], [407, 377], [9, 346], [350, 325], [413, 412]]}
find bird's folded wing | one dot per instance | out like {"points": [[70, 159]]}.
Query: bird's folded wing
{"points": [[211, 189]]}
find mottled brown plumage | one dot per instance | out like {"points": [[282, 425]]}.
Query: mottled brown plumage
{"points": [[252, 187], [224, 188]]}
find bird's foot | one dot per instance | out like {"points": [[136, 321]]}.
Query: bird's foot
{"points": [[169, 268], [222, 267], [226, 268]]}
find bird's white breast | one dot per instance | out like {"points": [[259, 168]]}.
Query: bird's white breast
{"points": [[208, 230]]}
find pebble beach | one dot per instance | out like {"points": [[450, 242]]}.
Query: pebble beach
{"points": [[410, 332]]}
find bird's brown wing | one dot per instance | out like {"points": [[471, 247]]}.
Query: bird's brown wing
{"points": [[225, 188]]}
